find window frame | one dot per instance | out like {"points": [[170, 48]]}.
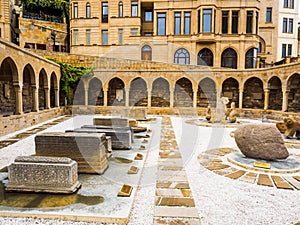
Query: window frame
{"points": [[177, 56], [104, 7], [75, 10], [120, 36], [204, 18], [187, 19], [76, 35], [207, 58], [164, 19], [148, 11], [269, 12], [249, 22], [289, 50], [285, 25], [88, 36], [177, 18], [283, 49], [291, 26], [233, 26], [134, 5], [120, 8], [225, 19], [104, 33], [234, 62]]}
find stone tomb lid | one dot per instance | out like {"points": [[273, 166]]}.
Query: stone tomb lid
{"points": [[101, 136], [44, 159]]}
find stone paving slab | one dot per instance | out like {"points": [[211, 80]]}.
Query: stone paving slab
{"points": [[265, 180], [175, 201], [236, 174], [293, 182], [184, 212], [165, 221], [281, 183], [249, 177]]}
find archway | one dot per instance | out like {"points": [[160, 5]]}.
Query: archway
{"points": [[138, 95], [27, 91], [205, 57], [95, 92], [53, 88], [43, 86], [116, 92], [275, 95], [8, 73], [160, 96], [230, 89], [183, 95], [253, 96], [294, 93], [229, 58], [206, 94]]}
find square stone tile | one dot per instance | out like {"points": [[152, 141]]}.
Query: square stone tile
{"points": [[175, 201], [265, 180]]}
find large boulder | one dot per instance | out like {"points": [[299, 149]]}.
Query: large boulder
{"points": [[260, 141]]}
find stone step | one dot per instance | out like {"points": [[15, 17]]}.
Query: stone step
{"points": [[176, 212]]}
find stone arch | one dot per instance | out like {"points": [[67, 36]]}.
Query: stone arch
{"points": [[183, 93], [116, 92], [53, 89], [182, 56], [43, 87], [275, 95], [8, 75], [95, 92], [253, 96], [160, 96], [79, 94], [29, 84], [206, 94], [230, 89], [293, 86], [229, 58], [138, 94], [205, 57]]}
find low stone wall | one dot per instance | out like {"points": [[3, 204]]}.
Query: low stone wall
{"points": [[13, 123]]}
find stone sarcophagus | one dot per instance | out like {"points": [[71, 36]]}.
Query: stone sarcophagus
{"points": [[112, 122], [88, 150], [43, 174], [120, 139]]}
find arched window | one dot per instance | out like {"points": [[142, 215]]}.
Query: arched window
{"points": [[182, 56], [147, 53], [229, 58], [120, 9], [251, 58], [88, 10], [205, 57]]}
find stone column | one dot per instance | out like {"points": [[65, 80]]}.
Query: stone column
{"points": [[47, 96], [86, 96], [149, 98], [105, 93], [241, 91], [266, 102], [19, 103], [35, 96], [257, 62], [126, 97], [171, 98], [195, 98], [56, 97], [285, 94], [230, 22]]}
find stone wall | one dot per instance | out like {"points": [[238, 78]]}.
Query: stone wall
{"points": [[13, 123]]}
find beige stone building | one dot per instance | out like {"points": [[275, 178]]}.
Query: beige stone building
{"points": [[5, 18], [215, 33], [278, 29]]}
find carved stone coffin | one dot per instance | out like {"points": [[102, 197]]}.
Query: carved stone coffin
{"points": [[88, 150], [43, 174]]}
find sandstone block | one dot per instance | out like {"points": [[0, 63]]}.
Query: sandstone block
{"points": [[88, 150], [43, 174], [260, 141], [115, 122]]}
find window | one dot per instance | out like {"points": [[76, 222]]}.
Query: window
{"points": [[88, 37], [259, 47], [182, 56], [283, 50], [269, 15], [105, 37], [120, 31], [289, 53], [256, 22], [104, 12], [134, 8], [177, 19], [147, 53], [288, 4], [199, 21], [249, 22], [75, 37], [291, 24], [120, 9], [161, 23], [88, 10], [207, 19], [75, 10], [229, 58], [205, 57], [225, 22], [251, 58], [284, 28], [134, 32], [235, 22], [148, 16], [148, 34], [187, 23]]}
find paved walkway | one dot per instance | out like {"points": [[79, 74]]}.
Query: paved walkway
{"points": [[174, 201]]}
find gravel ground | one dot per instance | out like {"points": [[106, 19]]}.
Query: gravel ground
{"points": [[219, 200]]}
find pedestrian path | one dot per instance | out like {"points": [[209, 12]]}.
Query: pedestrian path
{"points": [[174, 201]]}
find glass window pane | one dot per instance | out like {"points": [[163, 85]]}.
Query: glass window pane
{"points": [[88, 10], [283, 50], [161, 24], [235, 22], [134, 8], [207, 19], [120, 9], [225, 22], [284, 25], [187, 23], [177, 23], [104, 37], [249, 22], [75, 10], [148, 16], [289, 50], [269, 15]]}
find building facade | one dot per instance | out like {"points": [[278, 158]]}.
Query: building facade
{"points": [[5, 18], [278, 29], [214, 33]]}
